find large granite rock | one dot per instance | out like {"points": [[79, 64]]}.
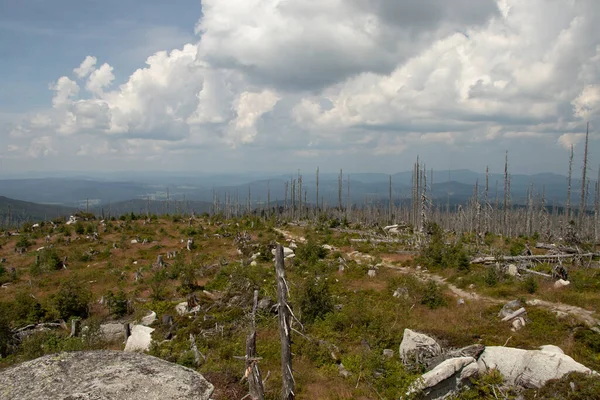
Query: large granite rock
{"points": [[102, 375], [529, 368], [446, 378], [418, 348]]}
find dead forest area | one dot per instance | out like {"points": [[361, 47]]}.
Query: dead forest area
{"points": [[317, 301], [194, 288]]}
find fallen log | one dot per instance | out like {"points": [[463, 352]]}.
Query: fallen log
{"points": [[529, 271], [562, 249], [46, 325], [375, 240], [491, 259]]}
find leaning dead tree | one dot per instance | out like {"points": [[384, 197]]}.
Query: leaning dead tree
{"points": [[285, 328]]}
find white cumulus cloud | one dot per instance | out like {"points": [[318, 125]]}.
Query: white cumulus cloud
{"points": [[340, 78], [100, 79], [87, 66]]}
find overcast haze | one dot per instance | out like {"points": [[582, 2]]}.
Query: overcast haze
{"points": [[281, 85]]}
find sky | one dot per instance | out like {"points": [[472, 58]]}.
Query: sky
{"points": [[282, 85]]}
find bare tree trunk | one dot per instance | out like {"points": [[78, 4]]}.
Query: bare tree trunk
{"points": [[424, 210], [285, 328], [568, 211], [268, 199], [348, 201], [582, 206], [299, 195], [596, 206], [168, 202], [506, 194], [249, 202], [198, 357], [340, 191], [285, 203], [317, 196], [485, 200], [75, 327], [390, 209], [255, 384]]}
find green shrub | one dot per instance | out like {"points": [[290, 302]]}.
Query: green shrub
{"points": [[588, 338], [439, 254], [6, 337], [72, 300], [79, 228], [48, 260], [492, 276], [158, 285], [530, 284], [23, 242], [4, 276], [24, 310], [116, 303], [433, 296], [586, 387], [187, 279], [484, 387], [310, 252], [315, 299]]}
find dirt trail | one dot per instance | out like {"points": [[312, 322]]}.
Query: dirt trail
{"points": [[582, 314]]}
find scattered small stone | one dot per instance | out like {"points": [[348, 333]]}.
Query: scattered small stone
{"points": [[512, 270], [561, 283], [181, 308], [401, 292], [149, 319], [343, 371]]}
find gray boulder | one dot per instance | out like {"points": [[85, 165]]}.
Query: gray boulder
{"points": [[446, 378], [112, 332], [182, 308], [512, 270], [418, 347], [473, 350], [509, 308], [529, 368], [265, 304], [149, 319], [102, 375]]}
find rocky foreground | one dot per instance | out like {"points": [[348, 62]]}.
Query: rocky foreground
{"points": [[102, 375]]}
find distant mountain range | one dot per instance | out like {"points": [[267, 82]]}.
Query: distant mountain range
{"points": [[59, 196], [13, 212]]}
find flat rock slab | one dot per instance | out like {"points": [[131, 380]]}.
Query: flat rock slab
{"points": [[112, 332], [102, 375]]}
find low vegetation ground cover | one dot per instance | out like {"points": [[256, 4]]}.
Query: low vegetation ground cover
{"points": [[342, 316]]}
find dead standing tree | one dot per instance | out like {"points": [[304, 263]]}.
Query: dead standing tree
{"points": [[285, 328], [256, 390], [582, 205]]}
